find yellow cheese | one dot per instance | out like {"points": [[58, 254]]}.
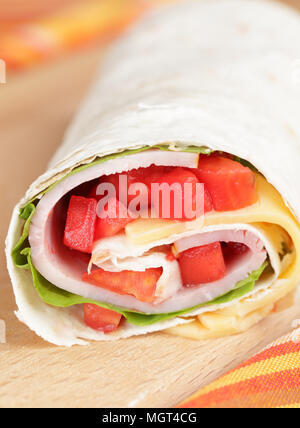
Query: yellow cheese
{"points": [[213, 325], [145, 231]]}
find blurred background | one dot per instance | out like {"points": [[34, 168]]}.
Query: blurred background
{"points": [[35, 31]]}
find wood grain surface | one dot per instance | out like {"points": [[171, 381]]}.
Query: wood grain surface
{"points": [[154, 371]]}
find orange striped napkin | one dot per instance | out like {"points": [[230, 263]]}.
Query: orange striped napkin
{"points": [[64, 27], [271, 379]]}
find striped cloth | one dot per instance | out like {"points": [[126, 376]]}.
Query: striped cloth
{"points": [[73, 24], [271, 379]]}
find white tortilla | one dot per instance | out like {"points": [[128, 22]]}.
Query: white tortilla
{"points": [[219, 73]]}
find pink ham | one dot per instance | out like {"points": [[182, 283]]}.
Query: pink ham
{"points": [[64, 267]]}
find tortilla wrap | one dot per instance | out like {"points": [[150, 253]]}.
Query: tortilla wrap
{"points": [[217, 75]]}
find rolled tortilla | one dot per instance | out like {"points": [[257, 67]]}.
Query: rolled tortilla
{"points": [[195, 77]]}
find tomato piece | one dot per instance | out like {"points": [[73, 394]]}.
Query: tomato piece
{"points": [[147, 175], [233, 250], [203, 264], [141, 285], [80, 224], [153, 173], [101, 319], [140, 175], [178, 201], [117, 217], [223, 154], [230, 184]]}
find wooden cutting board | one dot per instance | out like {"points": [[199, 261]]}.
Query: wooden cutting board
{"points": [[154, 371]]}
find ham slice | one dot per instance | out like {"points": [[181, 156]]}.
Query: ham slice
{"points": [[64, 267], [112, 255]]}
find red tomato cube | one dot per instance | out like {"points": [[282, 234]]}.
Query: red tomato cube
{"points": [[200, 265], [141, 285], [117, 217], [80, 224], [179, 205], [101, 319], [134, 176], [230, 184]]}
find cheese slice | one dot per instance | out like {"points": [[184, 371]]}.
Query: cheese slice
{"points": [[212, 325], [146, 231]]}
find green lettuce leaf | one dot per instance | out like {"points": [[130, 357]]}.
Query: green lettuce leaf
{"points": [[188, 149], [20, 259]]}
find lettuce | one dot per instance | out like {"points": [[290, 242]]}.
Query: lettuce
{"points": [[57, 297], [20, 259]]}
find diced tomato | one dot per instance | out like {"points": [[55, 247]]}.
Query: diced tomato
{"points": [[230, 184], [153, 173], [142, 285], [101, 319], [177, 211], [147, 176], [80, 225], [140, 175], [117, 217], [203, 264], [232, 250], [223, 154]]}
